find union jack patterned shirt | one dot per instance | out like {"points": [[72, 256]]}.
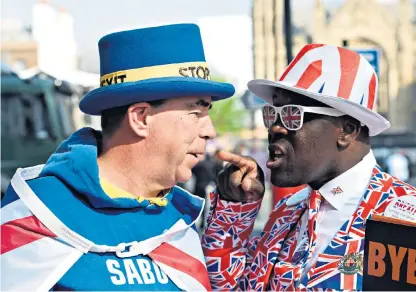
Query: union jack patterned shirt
{"points": [[236, 263]]}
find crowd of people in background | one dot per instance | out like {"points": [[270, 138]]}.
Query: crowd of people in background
{"points": [[399, 164]]}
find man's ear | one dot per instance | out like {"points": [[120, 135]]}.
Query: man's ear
{"points": [[137, 118], [350, 130]]}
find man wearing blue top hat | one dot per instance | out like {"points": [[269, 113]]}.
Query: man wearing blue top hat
{"points": [[103, 213]]}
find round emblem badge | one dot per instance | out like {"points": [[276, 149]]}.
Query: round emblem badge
{"points": [[351, 264]]}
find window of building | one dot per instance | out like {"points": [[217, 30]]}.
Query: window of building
{"points": [[25, 116], [20, 64]]}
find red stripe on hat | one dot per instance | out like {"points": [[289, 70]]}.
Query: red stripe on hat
{"points": [[175, 258], [350, 61], [302, 52], [19, 232], [311, 73], [372, 91]]}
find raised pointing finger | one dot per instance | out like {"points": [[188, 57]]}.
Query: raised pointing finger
{"points": [[237, 160]]}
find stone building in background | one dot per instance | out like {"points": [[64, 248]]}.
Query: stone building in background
{"points": [[48, 43], [359, 25]]}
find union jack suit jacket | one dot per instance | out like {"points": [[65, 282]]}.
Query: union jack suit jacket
{"points": [[236, 263]]}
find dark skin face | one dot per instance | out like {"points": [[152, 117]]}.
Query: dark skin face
{"points": [[321, 150]]}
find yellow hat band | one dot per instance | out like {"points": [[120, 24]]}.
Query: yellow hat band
{"points": [[189, 69]]}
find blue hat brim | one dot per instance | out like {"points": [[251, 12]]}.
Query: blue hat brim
{"points": [[116, 95]]}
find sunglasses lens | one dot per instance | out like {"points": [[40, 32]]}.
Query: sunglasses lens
{"points": [[269, 116], [291, 117]]}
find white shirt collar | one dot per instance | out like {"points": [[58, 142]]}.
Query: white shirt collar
{"points": [[350, 184]]}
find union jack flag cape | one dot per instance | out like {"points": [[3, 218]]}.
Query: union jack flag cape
{"points": [[236, 263], [38, 249]]}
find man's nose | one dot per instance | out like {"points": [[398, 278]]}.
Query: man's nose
{"points": [[207, 129], [277, 128]]}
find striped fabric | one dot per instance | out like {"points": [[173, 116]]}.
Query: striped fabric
{"points": [[315, 70], [35, 258], [336, 76]]}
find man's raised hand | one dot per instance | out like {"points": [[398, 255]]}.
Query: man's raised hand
{"points": [[241, 180]]}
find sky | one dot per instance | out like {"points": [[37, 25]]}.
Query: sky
{"points": [[225, 24], [94, 18]]}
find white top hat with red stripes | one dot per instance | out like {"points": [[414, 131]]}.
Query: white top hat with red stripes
{"points": [[335, 76]]}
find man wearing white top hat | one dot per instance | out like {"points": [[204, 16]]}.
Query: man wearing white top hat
{"points": [[320, 116], [104, 213]]}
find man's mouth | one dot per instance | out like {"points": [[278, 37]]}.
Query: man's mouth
{"points": [[275, 152], [196, 155], [276, 156]]}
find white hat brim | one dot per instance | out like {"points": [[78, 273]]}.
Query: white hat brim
{"points": [[376, 123]]}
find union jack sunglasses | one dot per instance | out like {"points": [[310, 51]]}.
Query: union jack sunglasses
{"points": [[292, 115]]}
